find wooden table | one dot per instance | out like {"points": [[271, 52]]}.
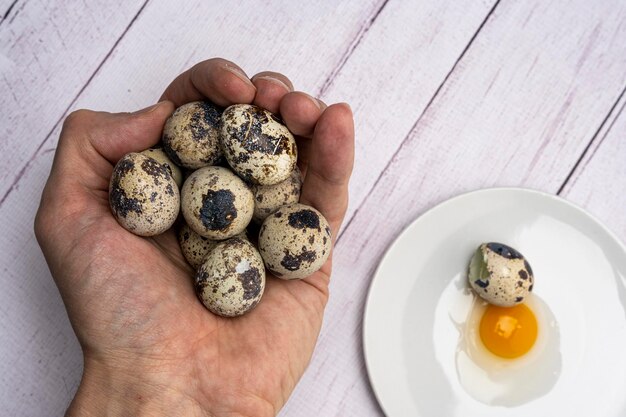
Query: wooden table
{"points": [[449, 96]]}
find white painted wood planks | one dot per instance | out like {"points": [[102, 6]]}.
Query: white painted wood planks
{"points": [[538, 81], [519, 109], [48, 52], [599, 183]]}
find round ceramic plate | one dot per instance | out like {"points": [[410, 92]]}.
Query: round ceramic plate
{"points": [[418, 306]]}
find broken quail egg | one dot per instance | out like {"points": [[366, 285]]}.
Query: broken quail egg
{"points": [[196, 248], [143, 195], [216, 203], [295, 241], [191, 135], [500, 274], [160, 155], [232, 279], [268, 198], [257, 145]]}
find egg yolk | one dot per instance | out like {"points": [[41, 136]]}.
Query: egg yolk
{"points": [[508, 332]]}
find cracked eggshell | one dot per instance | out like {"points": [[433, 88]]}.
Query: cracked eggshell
{"points": [[232, 279], [160, 156], [257, 145], [143, 195], [196, 248], [500, 274], [191, 135], [216, 203], [269, 198], [295, 241]]}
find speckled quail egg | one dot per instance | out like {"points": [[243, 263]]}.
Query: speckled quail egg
{"points": [[191, 135], [143, 195], [256, 144], [160, 155], [295, 241], [268, 198], [500, 275], [216, 203], [196, 248], [232, 279]]}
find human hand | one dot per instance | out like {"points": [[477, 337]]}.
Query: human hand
{"points": [[150, 347]]}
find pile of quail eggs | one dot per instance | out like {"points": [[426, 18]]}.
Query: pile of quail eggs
{"points": [[228, 171]]}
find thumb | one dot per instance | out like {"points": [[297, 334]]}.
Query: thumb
{"points": [[112, 135], [92, 142]]}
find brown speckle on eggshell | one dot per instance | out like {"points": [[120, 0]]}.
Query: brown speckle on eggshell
{"points": [[295, 241], [191, 135], [143, 196], [196, 248], [231, 281], [160, 155], [216, 203], [257, 145], [269, 198], [500, 274]]}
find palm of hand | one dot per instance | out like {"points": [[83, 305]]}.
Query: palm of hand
{"points": [[131, 300], [153, 317]]}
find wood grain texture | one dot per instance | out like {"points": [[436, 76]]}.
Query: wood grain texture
{"points": [[394, 74], [41, 361], [599, 182], [537, 70], [48, 52], [167, 38], [519, 109], [448, 97], [6, 7]]}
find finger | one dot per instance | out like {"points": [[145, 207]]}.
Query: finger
{"points": [[91, 142], [330, 164], [271, 87], [304, 149], [217, 79], [300, 113]]}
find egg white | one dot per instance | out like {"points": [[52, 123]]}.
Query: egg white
{"points": [[493, 380]]}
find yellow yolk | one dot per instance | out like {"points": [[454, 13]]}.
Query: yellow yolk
{"points": [[508, 332]]}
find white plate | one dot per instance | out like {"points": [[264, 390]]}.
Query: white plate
{"points": [[409, 336]]}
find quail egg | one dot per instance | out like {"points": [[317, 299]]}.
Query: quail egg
{"points": [[295, 241], [500, 275], [256, 144], [216, 203], [143, 195], [191, 135], [268, 198], [508, 356], [196, 248], [160, 155], [232, 279]]}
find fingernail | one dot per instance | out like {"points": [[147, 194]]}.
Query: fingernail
{"points": [[239, 73], [149, 109], [346, 105], [315, 101], [273, 80]]}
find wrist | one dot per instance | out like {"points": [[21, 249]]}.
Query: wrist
{"points": [[104, 391]]}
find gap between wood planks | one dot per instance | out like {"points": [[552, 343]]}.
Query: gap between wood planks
{"points": [[345, 56], [28, 163], [8, 12], [599, 136], [351, 48], [419, 118]]}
